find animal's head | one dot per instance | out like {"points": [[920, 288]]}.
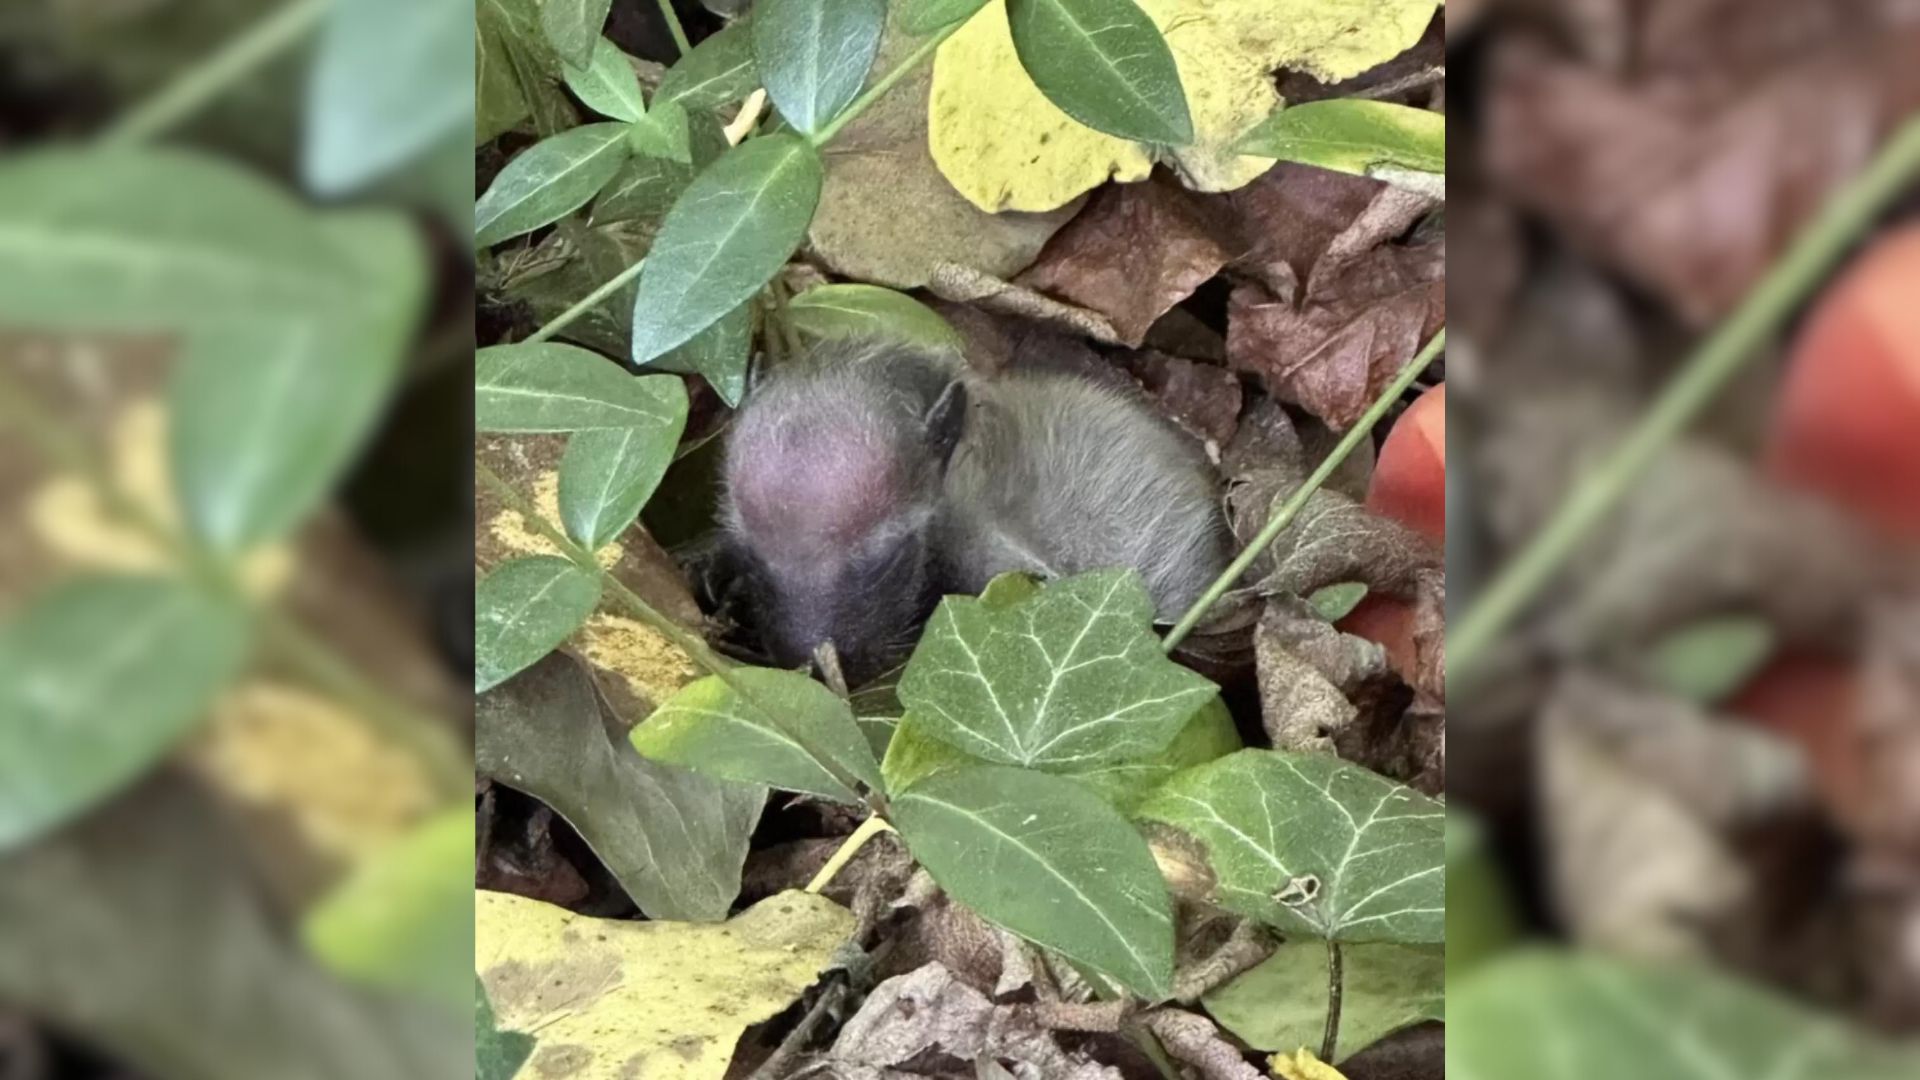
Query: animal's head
{"points": [[833, 478]]}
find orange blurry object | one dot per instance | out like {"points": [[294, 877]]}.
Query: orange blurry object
{"points": [[1409, 485]]}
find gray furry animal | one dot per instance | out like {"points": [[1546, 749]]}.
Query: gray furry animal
{"points": [[863, 482]]}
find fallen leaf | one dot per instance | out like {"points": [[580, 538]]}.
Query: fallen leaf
{"points": [[929, 1013], [1203, 398], [1313, 677], [1332, 540], [1297, 223], [1194, 1041]]}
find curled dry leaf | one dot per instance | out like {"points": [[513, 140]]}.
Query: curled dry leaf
{"points": [[1332, 540], [1315, 680], [1193, 1040], [1889, 731], [1205, 399], [1297, 224], [965, 285]]}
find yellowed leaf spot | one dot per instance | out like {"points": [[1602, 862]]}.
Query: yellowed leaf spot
{"points": [[513, 532], [1303, 1065], [612, 999], [1005, 147], [652, 667]]}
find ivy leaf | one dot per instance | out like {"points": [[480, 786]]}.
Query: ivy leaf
{"points": [[549, 180], [1105, 64], [675, 840], [1050, 861], [607, 475], [813, 56], [717, 72], [607, 84], [1309, 844], [1710, 659], [573, 26], [1352, 135], [388, 85], [730, 231], [663, 133], [404, 919], [1281, 1004], [869, 311], [793, 733], [497, 1054], [1071, 677], [99, 679], [523, 611], [918, 17], [546, 387]]}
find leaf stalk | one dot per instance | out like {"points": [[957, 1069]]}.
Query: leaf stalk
{"points": [[198, 86]]}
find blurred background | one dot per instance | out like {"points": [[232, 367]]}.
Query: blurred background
{"points": [[1685, 834], [236, 326]]}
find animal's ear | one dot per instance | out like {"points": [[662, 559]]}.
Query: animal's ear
{"points": [[947, 420]]}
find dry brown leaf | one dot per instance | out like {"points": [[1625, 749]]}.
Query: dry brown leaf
{"points": [[1314, 680], [1332, 540], [1298, 223], [1205, 399]]}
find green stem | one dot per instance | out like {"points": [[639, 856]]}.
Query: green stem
{"points": [[673, 27], [844, 854], [1296, 502], [199, 85], [1759, 318], [588, 303], [1336, 987], [886, 83]]}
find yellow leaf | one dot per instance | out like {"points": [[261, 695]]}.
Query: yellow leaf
{"points": [[611, 998], [1303, 1065], [1005, 147]]}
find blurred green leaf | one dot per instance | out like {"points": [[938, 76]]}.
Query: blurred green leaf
{"points": [[813, 57], [1352, 135], [719, 71], [548, 181], [502, 28], [608, 84], [663, 133], [389, 84], [497, 1054], [729, 233], [523, 610], [919, 17], [1336, 602], [1309, 844], [572, 26], [99, 679], [546, 387], [1480, 918], [1708, 660], [676, 840], [1281, 1004], [404, 919], [869, 312], [1048, 860], [1105, 64], [607, 475]]}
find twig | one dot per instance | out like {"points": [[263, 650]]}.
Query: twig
{"points": [[749, 115], [200, 84], [1405, 83], [673, 27], [587, 303], [802, 1033], [1284, 516], [848, 848]]}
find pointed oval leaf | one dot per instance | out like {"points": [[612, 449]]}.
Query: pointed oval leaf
{"points": [[813, 56], [869, 311], [718, 354], [546, 387], [925, 16], [730, 231], [1070, 678], [646, 187], [607, 475], [1312, 845], [717, 72], [523, 611], [779, 734], [549, 180], [663, 133], [572, 27], [1105, 64], [1048, 860], [1352, 135], [99, 679], [608, 84], [388, 85]]}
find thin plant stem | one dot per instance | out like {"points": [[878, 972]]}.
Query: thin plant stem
{"points": [[199, 85], [848, 848], [885, 83], [588, 303], [1296, 502], [673, 27], [1336, 989], [1760, 317]]}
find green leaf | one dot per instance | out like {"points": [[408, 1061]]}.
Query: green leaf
{"points": [[404, 919], [1105, 64], [388, 85], [573, 26], [547, 387], [719, 71], [608, 84], [267, 414], [1336, 602], [1480, 918], [1281, 1004], [1070, 678], [1048, 860], [524, 610], [1312, 845], [1710, 659], [813, 56], [499, 102], [675, 840], [869, 312], [548, 181], [1352, 135], [607, 475], [646, 187], [1579, 1016], [718, 354], [497, 1054], [663, 133], [728, 234], [785, 734], [99, 679], [918, 17]]}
